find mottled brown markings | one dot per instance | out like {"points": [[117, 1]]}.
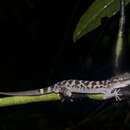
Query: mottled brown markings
{"points": [[82, 85], [120, 77], [78, 85], [56, 87], [86, 83], [93, 83], [107, 83], [90, 84], [70, 81], [76, 82], [96, 86], [102, 81], [101, 84]]}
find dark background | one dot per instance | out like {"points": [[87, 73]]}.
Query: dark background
{"points": [[37, 50]]}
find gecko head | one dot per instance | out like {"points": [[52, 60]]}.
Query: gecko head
{"points": [[121, 80]]}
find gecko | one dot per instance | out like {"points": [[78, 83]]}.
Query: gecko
{"points": [[109, 88]]}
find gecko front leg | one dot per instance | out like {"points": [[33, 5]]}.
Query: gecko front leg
{"points": [[64, 92], [113, 93], [116, 93]]}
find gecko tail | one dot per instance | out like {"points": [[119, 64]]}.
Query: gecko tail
{"points": [[35, 92], [21, 93]]}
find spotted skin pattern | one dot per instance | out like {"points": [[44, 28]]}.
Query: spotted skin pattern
{"points": [[109, 88]]}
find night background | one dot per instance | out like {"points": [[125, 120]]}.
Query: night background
{"points": [[37, 50]]}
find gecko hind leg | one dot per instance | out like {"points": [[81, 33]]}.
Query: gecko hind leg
{"points": [[66, 95], [113, 93]]}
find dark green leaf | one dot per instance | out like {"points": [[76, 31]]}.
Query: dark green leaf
{"points": [[91, 19]]}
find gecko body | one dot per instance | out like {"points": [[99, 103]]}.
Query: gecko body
{"points": [[109, 88]]}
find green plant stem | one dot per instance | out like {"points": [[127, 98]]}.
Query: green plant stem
{"points": [[18, 100]]}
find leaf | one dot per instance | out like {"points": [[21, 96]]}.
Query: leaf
{"points": [[91, 19]]}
